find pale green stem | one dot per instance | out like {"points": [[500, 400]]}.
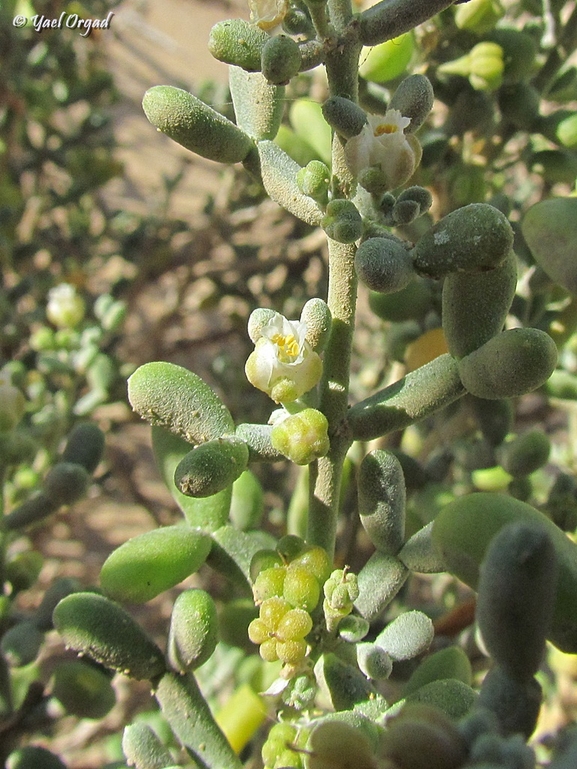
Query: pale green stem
{"points": [[326, 473], [320, 20], [340, 12]]}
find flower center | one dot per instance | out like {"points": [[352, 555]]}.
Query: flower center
{"points": [[386, 128], [288, 347]]}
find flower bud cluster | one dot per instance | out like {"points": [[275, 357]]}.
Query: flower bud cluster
{"points": [[287, 587], [302, 437], [279, 748], [341, 591]]}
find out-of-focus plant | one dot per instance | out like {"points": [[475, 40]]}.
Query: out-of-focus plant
{"points": [[56, 153], [480, 312], [25, 693]]}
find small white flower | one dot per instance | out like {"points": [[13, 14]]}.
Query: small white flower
{"points": [[382, 144], [65, 307], [267, 14], [283, 364]]}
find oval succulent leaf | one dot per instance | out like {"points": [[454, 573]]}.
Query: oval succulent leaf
{"points": [[93, 625], [196, 126], [173, 397], [211, 467], [550, 229], [464, 528], [146, 565]]}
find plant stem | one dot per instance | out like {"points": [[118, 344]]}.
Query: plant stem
{"points": [[416, 396], [191, 720], [325, 475], [340, 12]]}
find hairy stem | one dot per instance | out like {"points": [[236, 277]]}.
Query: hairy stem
{"points": [[326, 473], [416, 396], [340, 12]]}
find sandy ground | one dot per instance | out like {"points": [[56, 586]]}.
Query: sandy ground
{"points": [[162, 42]]}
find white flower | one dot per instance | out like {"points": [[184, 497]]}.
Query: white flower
{"points": [[382, 144], [283, 364], [65, 308], [267, 14]]}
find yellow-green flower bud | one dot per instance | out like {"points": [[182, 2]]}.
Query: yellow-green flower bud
{"points": [[314, 180], [65, 308], [302, 437], [486, 66], [478, 15], [483, 65], [283, 364]]}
